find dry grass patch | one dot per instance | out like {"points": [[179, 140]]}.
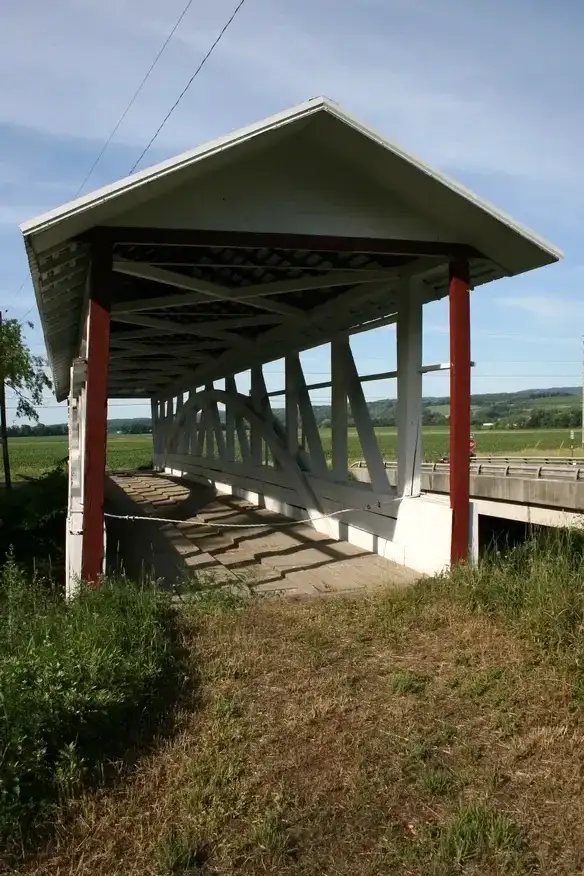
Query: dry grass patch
{"points": [[399, 734]]}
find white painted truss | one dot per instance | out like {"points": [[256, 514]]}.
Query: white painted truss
{"points": [[274, 457]]}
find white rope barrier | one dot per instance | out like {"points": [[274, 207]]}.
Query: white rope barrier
{"points": [[273, 525]]}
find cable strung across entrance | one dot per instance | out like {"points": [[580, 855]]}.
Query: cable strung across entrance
{"points": [[209, 523]]}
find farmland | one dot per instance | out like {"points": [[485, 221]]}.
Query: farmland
{"points": [[32, 456]]}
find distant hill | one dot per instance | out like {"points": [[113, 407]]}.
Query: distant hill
{"points": [[130, 426], [558, 407]]}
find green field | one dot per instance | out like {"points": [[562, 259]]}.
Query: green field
{"points": [[32, 456], [523, 442]]}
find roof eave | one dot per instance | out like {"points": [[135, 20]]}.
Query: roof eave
{"points": [[553, 253], [39, 224]]}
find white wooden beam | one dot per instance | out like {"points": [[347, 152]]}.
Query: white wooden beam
{"points": [[168, 417], [193, 425], [209, 429], [258, 389], [131, 379], [344, 313], [240, 429], [202, 289], [291, 401], [409, 390], [231, 322], [339, 412], [330, 310], [156, 343], [229, 424], [323, 281], [130, 352], [178, 405], [278, 287], [201, 432], [178, 328], [309, 425], [155, 409], [363, 423], [215, 420]]}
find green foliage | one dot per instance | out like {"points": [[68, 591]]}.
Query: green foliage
{"points": [[23, 373], [180, 853], [538, 586], [406, 681], [76, 682], [32, 522], [33, 457], [477, 834]]}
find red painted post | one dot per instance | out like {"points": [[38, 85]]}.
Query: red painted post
{"points": [[98, 338], [459, 298]]}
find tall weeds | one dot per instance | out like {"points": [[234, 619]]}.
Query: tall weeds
{"points": [[78, 684], [538, 586]]}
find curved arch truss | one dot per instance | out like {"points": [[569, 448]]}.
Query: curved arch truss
{"points": [[263, 425], [241, 443], [274, 456]]}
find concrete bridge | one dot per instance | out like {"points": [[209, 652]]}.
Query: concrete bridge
{"points": [[540, 491]]}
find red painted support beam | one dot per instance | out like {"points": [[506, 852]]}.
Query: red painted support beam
{"points": [[97, 353], [459, 297]]}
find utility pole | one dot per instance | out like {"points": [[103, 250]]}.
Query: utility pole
{"points": [[3, 427], [583, 391]]}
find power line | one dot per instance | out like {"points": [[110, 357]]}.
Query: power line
{"points": [[22, 285], [166, 118], [135, 95], [115, 129], [188, 85]]}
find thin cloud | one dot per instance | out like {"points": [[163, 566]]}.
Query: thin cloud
{"points": [[386, 63], [548, 309]]}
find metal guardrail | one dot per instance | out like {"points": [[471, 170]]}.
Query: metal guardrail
{"points": [[504, 468], [532, 460]]}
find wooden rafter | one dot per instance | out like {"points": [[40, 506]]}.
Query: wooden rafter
{"points": [[276, 240], [200, 290]]}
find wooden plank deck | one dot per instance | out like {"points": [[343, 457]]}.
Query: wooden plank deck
{"points": [[281, 558]]}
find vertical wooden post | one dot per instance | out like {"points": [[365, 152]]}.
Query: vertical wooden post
{"points": [[98, 336], [229, 429], [3, 420], [409, 391], [256, 391], [155, 435], [459, 298], [339, 411], [291, 402], [180, 436]]}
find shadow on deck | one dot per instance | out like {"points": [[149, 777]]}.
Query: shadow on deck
{"points": [[282, 557]]}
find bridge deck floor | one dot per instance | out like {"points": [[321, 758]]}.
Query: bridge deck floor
{"points": [[291, 560]]}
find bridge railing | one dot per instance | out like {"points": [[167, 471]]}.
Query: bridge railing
{"points": [[505, 468]]}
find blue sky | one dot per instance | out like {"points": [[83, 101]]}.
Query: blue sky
{"points": [[487, 91]]}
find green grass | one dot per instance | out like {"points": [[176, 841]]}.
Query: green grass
{"points": [[78, 684], [406, 681], [31, 457], [33, 521], [431, 731], [538, 587], [180, 854], [475, 834], [435, 442]]}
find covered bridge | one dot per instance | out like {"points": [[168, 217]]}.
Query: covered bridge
{"points": [[285, 235]]}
